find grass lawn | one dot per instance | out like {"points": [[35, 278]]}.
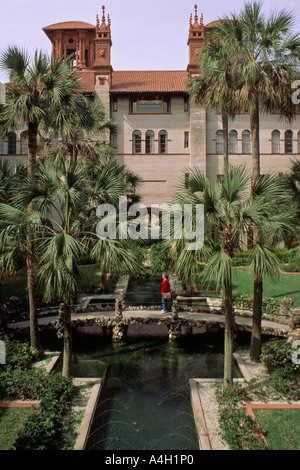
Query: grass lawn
{"points": [[11, 420], [287, 285], [17, 285], [281, 427]]}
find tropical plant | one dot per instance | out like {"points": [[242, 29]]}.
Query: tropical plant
{"points": [[228, 214], [213, 88], [38, 90], [277, 228], [267, 54]]}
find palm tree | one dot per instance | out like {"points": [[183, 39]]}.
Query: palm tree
{"points": [[36, 92], [279, 226], [228, 215], [267, 60], [213, 88], [267, 55]]}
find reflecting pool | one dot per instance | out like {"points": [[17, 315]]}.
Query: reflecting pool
{"points": [[145, 400]]}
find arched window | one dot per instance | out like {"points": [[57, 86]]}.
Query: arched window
{"points": [[275, 141], [288, 141], [246, 147], [219, 141], [162, 141], [136, 142], [149, 142], [23, 142], [233, 148], [11, 143]]}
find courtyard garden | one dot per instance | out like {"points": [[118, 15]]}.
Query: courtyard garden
{"points": [[52, 210]]}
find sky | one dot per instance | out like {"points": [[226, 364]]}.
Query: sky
{"points": [[146, 34]]}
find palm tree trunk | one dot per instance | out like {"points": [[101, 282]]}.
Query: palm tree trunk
{"points": [[254, 126], [225, 141], [229, 338], [31, 268], [31, 259], [67, 349], [255, 346]]}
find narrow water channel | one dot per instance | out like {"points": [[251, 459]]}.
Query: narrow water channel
{"points": [[145, 400]]}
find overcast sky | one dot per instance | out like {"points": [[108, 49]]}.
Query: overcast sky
{"points": [[146, 34]]}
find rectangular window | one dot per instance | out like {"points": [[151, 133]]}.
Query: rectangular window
{"points": [[115, 104], [186, 140], [150, 105], [113, 139], [186, 104]]}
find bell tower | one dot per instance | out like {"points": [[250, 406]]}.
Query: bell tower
{"points": [[103, 44], [196, 41]]}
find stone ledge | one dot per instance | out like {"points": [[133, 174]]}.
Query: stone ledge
{"points": [[89, 412]]}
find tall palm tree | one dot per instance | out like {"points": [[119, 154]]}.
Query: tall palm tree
{"points": [[213, 88], [267, 62], [45, 95], [36, 92], [228, 215], [281, 225], [267, 57]]}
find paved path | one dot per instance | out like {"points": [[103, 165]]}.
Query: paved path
{"points": [[211, 319]]}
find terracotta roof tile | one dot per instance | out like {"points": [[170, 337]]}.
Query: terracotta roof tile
{"points": [[149, 81], [87, 80], [69, 25], [139, 81]]}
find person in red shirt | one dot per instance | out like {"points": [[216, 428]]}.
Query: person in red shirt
{"points": [[165, 287]]}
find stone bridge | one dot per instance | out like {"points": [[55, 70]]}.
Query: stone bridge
{"points": [[286, 324], [184, 313]]}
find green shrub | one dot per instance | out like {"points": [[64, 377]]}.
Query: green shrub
{"points": [[43, 430], [159, 259], [19, 354], [292, 267], [284, 374], [21, 384], [278, 354], [240, 258], [269, 305], [288, 256], [237, 426]]}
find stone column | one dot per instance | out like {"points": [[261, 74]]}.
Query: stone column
{"points": [[120, 327], [175, 326]]}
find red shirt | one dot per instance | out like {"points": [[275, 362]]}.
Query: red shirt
{"points": [[165, 286]]}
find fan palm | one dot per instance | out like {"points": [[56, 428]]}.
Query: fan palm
{"points": [[280, 226], [36, 92], [213, 88], [228, 215], [267, 59]]}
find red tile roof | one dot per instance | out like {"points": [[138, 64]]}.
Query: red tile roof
{"points": [[139, 81], [149, 81], [70, 25], [87, 80]]}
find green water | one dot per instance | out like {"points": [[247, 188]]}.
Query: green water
{"points": [[144, 292], [145, 400]]}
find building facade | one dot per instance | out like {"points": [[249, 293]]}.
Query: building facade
{"points": [[160, 133]]}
